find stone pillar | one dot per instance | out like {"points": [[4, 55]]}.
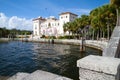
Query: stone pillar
{"points": [[98, 68], [117, 77]]}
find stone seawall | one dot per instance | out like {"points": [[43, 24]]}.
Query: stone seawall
{"points": [[4, 39], [89, 43]]}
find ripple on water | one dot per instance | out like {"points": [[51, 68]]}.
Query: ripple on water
{"points": [[28, 57]]}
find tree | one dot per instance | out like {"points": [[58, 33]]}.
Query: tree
{"points": [[102, 17], [116, 4], [81, 24], [66, 27], [95, 21]]}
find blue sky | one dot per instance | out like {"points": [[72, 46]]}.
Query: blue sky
{"points": [[29, 9]]}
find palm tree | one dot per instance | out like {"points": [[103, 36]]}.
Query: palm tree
{"points": [[102, 17], [77, 29], [95, 22], [108, 19], [116, 4], [67, 27], [84, 23]]}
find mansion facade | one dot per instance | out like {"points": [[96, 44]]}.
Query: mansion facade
{"points": [[52, 26]]}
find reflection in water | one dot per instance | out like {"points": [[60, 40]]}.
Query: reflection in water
{"points": [[56, 49], [28, 57]]}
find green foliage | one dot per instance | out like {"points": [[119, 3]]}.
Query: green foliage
{"points": [[115, 3], [5, 32], [68, 37], [43, 36], [51, 37], [20, 32], [79, 23], [65, 37], [102, 18], [98, 22]]}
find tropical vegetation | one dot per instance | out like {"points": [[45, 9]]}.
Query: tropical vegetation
{"points": [[116, 4], [97, 25]]}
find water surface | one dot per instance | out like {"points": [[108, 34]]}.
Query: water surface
{"points": [[60, 59]]}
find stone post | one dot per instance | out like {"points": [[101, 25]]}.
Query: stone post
{"points": [[98, 68]]}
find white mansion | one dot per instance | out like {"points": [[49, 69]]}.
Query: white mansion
{"points": [[52, 26]]}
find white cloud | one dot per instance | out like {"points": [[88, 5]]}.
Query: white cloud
{"points": [[3, 20], [15, 22], [81, 11]]}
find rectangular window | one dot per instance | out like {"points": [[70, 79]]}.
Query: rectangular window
{"points": [[35, 32], [35, 27], [63, 22]]}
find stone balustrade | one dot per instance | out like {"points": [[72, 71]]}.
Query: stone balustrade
{"points": [[97, 68]]}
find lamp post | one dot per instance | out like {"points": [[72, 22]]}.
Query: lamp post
{"points": [[82, 42]]}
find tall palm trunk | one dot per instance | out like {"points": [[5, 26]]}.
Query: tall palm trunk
{"points": [[111, 30], [93, 35], [118, 17], [108, 32], [100, 33], [97, 35], [103, 34]]}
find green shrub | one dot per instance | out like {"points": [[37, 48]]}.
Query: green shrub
{"points": [[43, 36], [51, 37], [66, 37]]}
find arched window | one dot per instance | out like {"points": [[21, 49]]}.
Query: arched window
{"points": [[49, 25], [35, 26]]}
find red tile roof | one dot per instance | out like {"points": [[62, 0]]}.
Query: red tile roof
{"points": [[40, 18], [68, 13]]}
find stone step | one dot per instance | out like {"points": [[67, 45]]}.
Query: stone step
{"points": [[19, 76], [4, 77], [38, 75], [42, 75]]}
